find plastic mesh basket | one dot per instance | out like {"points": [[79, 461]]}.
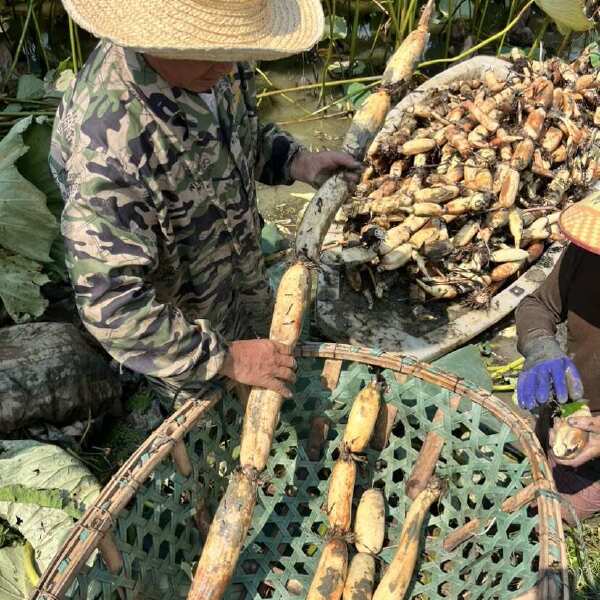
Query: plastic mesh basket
{"points": [[489, 455]]}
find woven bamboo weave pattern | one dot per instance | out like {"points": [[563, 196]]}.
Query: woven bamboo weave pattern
{"points": [[483, 459]]}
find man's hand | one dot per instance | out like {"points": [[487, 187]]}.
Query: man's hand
{"points": [[592, 448], [315, 168], [261, 363], [547, 371]]}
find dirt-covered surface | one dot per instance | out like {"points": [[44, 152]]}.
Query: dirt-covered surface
{"points": [[283, 205]]}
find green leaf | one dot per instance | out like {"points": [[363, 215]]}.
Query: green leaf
{"points": [[65, 64], [358, 93], [30, 87], [63, 81], [34, 164], [42, 489], [20, 282], [27, 227], [568, 15], [340, 29], [566, 410], [12, 146], [13, 580], [13, 107], [459, 11]]}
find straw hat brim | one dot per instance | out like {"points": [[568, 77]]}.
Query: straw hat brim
{"points": [[216, 30], [580, 223]]}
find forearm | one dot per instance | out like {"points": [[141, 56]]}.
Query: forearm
{"points": [[153, 339], [539, 315], [533, 320], [276, 151]]}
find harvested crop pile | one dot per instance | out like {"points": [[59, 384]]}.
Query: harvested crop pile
{"points": [[466, 191]]}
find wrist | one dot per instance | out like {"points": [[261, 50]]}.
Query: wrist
{"points": [[296, 162], [226, 368], [540, 349]]}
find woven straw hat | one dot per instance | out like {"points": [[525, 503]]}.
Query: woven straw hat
{"points": [[217, 30], [580, 223]]}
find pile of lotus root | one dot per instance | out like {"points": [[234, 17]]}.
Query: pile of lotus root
{"points": [[465, 193]]}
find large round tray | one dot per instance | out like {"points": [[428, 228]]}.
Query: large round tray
{"points": [[391, 324], [144, 521]]}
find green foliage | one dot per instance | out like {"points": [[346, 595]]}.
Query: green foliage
{"points": [[568, 15], [583, 551], [14, 583], [141, 401], [30, 87], [8, 535], [358, 93], [43, 490], [20, 283], [336, 28], [28, 229], [566, 410], [122, 440]]}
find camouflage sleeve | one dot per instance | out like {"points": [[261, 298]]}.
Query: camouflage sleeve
{"points": [[111, 248], [276, 150], [256, 294]]}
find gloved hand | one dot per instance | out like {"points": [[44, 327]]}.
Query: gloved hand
{"points": [[547, 369]]}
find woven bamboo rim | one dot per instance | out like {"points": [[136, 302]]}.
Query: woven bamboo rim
{"points": [[94, 529]]}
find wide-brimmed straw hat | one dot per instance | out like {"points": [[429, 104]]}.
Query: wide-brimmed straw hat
{"points": [[580, 223], [216, 30]]}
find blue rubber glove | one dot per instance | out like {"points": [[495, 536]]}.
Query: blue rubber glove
{"points": [[547, 370]]}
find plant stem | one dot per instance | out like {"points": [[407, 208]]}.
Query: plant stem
{"points": [[376, 38], [73, 46], [329, 48], [355, 26], [36, 102], [38, 32], [312, 86], [449, 28], [489, 40], [338, 115], [513, 5], [482, 19], [78, 44], [343, 99], [26, 114], [565, 42], [13, 66], [395, 24], [539, 37], [285, 96], [405, 24]]}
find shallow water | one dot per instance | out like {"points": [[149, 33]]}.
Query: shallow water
{"points": [[278, 204]]}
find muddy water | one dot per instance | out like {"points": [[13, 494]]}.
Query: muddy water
{"points": [[278, 204]]}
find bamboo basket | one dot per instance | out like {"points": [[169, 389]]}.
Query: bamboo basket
{"points": [[148, 521]]}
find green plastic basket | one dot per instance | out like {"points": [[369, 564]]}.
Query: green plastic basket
{"points": [[490, 454]]}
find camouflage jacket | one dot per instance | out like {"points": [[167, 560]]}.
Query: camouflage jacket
{"points": [[160, 221]]}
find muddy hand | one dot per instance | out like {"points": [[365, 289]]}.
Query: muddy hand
{"points": [[315, 168], [592, 448], [261, 363]]}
